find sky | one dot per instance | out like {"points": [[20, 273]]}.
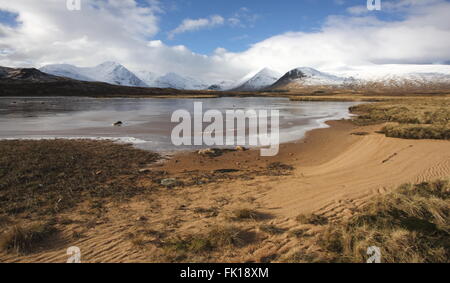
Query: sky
{"points": [[224, 40]]}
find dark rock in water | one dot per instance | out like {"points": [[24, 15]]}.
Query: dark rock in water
{"points": [[118, 123]]}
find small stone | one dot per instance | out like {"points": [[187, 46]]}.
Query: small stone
{"points": [[240, 148], [207, 151], [170, 182]]}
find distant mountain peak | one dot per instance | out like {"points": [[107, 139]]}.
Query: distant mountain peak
{"points": [[307, 76], [259, 81], [109, 64]]}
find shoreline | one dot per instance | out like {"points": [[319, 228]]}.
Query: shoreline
{"points": [[337, 96]]}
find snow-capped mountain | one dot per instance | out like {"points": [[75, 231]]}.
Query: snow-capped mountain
{"points": [[172, 80], [264, 78], [407, 80], [389, 76], [108, 72], [115, 73], [306, 76]]}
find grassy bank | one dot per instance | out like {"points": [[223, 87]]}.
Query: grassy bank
{"points": [[410, 119], [411, 224]]}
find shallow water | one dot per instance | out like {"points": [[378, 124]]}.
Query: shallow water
{"points": [[147, 122]]}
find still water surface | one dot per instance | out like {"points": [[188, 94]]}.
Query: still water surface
{"points": [[147, 122]]}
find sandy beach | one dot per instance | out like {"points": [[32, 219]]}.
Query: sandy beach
{"points": [[331, 172]]}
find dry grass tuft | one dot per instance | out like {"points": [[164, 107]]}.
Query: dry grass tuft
{"points": [[437, 132], [245, 214], [271, 229], [312, 219], [26, 239], [279, 169], [299, 233], [242, 214], [217, 238]]}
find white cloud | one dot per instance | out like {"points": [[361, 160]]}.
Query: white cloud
{"points": [[241, 18], [122, 31], [422, 36], [197, 24]]}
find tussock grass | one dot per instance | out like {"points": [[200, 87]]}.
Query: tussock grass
{"points": [[243, 214], [271, 229], [279, 169], [439, 132], [46, 177], [410, 119], [219, 237], [312, 219], [410, 225], [26, 239], [299, 233]]}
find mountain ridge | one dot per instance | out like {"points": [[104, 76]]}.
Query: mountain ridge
{"points": [[108, 72], [265, 79]]}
